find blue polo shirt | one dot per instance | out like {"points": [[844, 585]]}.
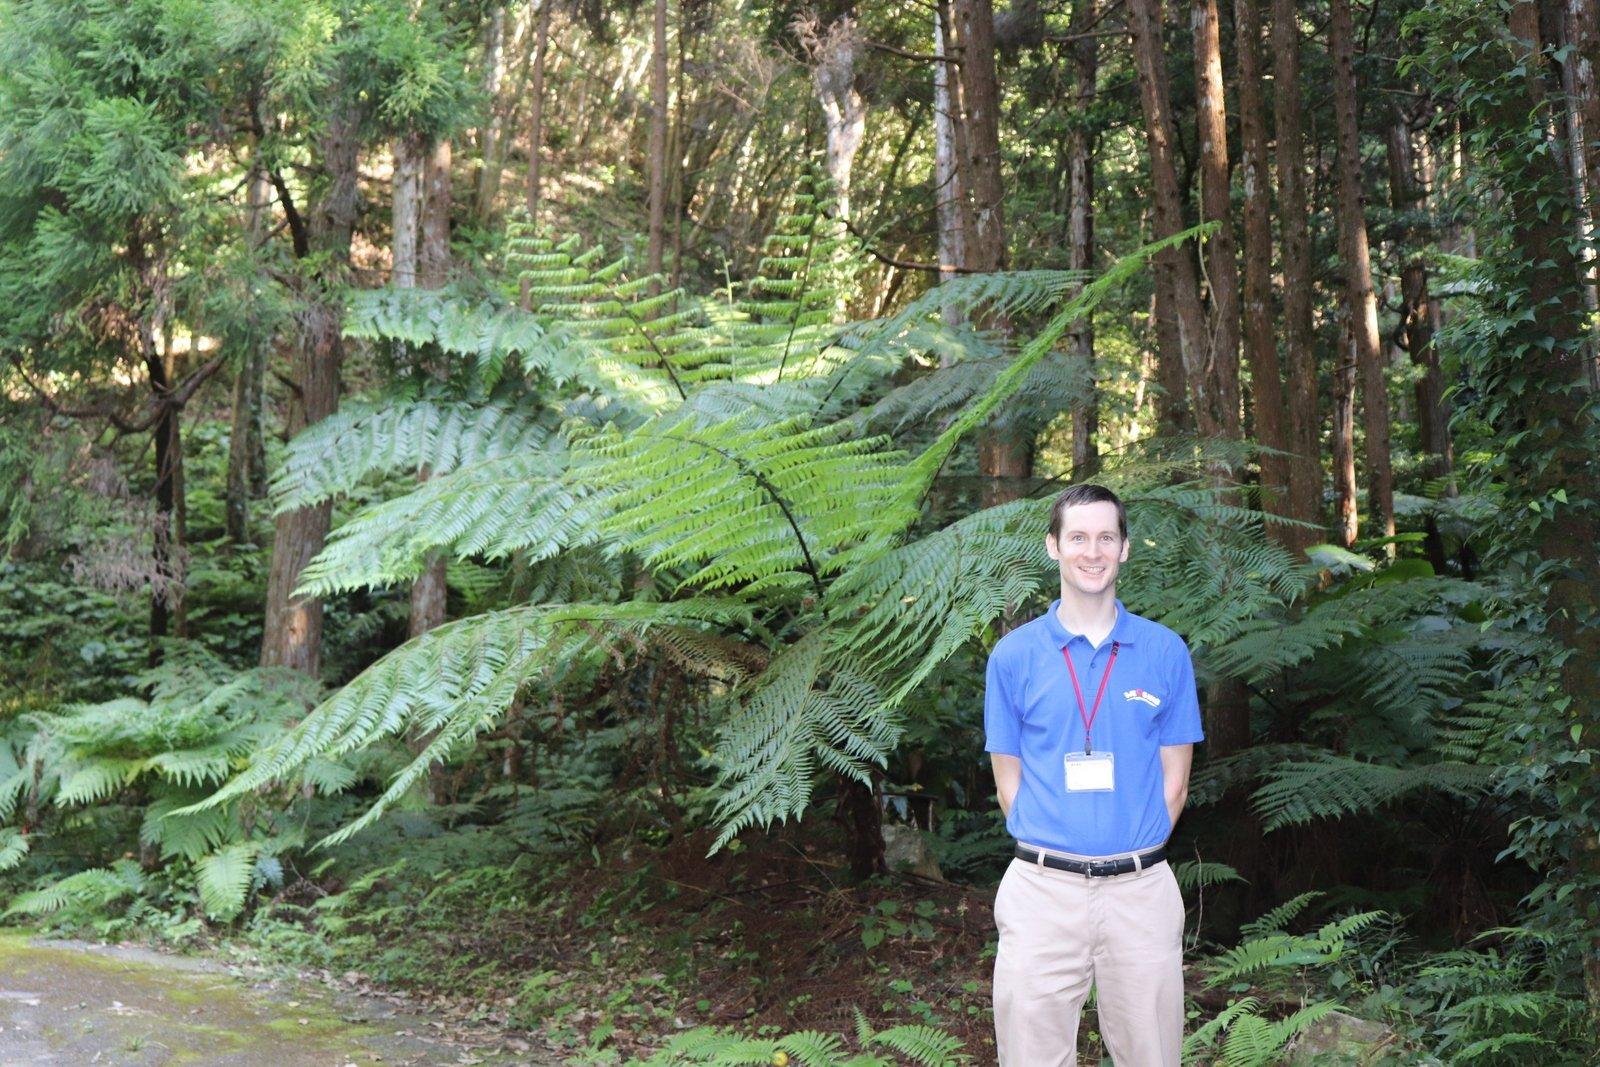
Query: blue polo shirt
{"points": [[1029, 711]]}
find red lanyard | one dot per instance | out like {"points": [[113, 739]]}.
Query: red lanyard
{"points": [[1077, 691]]}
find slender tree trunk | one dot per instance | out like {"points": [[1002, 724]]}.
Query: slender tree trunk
{"points": [[1221, 249], [1005, 453], [1177, 279], [1342, 439], [1417, 307], [492, 166], [246, 443], [406, 210], [947, 191], [433, 268], [167, 578], [658, 142], [1080, 232], [1361, 302], [832, 51], [292, 636], [1305, 466], [1260, 334], [541, 48]]}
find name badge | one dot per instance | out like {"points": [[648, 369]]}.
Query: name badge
{"points": [[1090, 773]]}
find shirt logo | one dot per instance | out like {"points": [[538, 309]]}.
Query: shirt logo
{"points": [[1139, 694]]}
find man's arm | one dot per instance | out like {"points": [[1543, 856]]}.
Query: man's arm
{"points": [[1008, 778], [1175, 760]]}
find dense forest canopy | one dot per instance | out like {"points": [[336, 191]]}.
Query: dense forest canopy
{"points": [[444, 442]]}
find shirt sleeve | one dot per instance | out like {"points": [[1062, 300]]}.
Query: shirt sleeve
{"points": [[1002, 714], [1180, 719]]}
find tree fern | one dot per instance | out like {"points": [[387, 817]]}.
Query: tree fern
{"points": [[769, 511]]}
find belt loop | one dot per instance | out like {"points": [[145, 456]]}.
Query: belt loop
{"points": [[1038, 858], [1138, 864]]}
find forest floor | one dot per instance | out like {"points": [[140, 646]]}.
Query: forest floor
{"points": [[72, 1003]]}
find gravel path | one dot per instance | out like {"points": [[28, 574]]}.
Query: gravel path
{"points": [[71, 1004]]}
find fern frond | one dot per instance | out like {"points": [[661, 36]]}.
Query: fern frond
{"points": [[807, 711], [333, 456], [13, 847], [1281, 915], [96, 887], [1326, 785], [1198, 874], [224, 879], [455, 681], [191, 835], [924, 1045]]}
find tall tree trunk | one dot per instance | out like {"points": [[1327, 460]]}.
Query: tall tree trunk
{"points": [[1305, 466], [947, 185], [1221, 249], [1342, 440], [1260, 340], [1005, 453], [658, 142], [1177, 279], [1552, 451], [1417, 307], [433, 268], [541, 49], [292, 636], [1361, 302], [246, 442], [1580, 37], [491, 166], [1080, 231]]}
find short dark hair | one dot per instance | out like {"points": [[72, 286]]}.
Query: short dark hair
{"points": [[1086, 493]]}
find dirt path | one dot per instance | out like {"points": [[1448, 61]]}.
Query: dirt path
{"points": [[70, 1004]]}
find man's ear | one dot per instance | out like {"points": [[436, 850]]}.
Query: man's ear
{"points": [[1053, 547], [1126, 544]]}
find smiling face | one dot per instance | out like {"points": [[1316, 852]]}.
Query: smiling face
{"points": [[1090, 548]]}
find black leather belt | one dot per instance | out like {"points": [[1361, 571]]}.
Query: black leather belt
{"points": [[1096, 868]]}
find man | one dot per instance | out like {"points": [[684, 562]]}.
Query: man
{"points": [[1091, 717]]}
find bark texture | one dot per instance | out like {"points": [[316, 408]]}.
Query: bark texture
{"points": [[1080, 232], [1305, 465], [1259, 324], [541, 48], [433, 270], [1177, 277], [293, 631], [1220, 392], [1005, 453], [948, 189], [657, 150], [1361, 302], [247, 461]]}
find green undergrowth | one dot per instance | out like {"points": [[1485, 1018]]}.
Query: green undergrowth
{"points": [[613, 952]]}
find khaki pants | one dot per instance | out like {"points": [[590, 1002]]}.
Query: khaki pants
{"points": [[1060, 933]]}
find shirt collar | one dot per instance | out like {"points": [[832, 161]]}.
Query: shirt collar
{"points": [[1121, 631]]}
